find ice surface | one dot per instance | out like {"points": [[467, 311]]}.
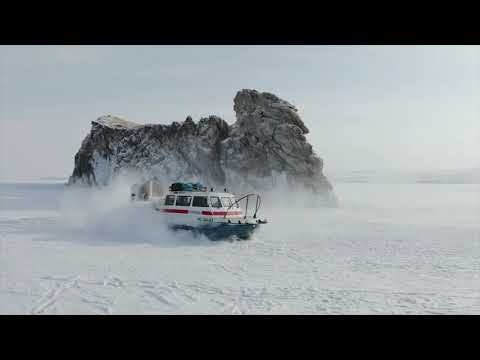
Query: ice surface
{"points": [[388, 249]]}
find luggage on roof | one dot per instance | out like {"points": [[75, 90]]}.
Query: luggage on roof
{"points": [[188, 186]]}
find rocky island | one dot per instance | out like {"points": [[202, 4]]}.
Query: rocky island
{"points": [[265, 147]]}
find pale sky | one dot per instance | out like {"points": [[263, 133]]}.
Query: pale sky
{"points": [[367, 107]]}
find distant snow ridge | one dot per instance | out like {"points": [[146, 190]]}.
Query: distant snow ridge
{"points": [[265, 146]]}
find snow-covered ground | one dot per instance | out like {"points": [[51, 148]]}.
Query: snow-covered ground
{"points": [[389, 249]]}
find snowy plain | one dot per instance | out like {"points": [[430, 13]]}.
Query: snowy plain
{"points": [[388, 249]]}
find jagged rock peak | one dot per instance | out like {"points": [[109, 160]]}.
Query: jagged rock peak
{"points": [[116, 122], [252, 102]]}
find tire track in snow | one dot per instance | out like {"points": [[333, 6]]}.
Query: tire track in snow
{"points": [[52, 296], [172, 295], [160, 298]]}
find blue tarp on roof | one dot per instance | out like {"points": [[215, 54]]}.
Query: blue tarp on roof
{"points": [[187, 186]]}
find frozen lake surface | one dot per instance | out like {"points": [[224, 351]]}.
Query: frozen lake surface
{"points": [[388, 249]]}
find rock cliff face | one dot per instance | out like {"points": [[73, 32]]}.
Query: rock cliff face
{"points": [[264, 147]]}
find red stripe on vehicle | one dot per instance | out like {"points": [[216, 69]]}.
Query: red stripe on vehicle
{"points": [[221, 213], [176, 211], [227, 213]]}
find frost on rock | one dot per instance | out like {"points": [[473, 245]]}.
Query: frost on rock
{"points": [[266, 144]]}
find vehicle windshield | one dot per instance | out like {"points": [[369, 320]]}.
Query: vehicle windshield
{"points": [[215, 202], [226, 201]]}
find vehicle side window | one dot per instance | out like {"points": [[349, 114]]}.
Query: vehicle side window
{"points": [[215, 202], [183, 200], [226, 201], [200, 201], [170, 200]]}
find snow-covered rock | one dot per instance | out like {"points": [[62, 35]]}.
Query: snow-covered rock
{"points": [[264, 147]]}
